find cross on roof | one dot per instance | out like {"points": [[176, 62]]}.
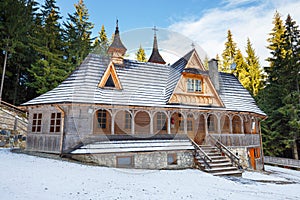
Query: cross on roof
{"points": [[155, 30], [193, 45]]}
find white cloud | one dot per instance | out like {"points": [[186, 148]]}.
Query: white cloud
{"points": [[253, 21]]}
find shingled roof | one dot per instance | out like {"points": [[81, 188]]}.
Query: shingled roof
{"points": [[143, 84]]}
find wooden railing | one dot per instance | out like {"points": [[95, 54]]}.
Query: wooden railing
{"points": [[285, 162], [204, 155], [234, 159]]}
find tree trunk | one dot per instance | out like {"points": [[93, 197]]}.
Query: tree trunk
{"points": [[295, 149], [3, 75], [16, 86]]}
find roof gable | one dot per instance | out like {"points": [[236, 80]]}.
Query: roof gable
{"points": [[110, 78], [194, 61]]}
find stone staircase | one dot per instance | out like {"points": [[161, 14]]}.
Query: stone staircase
{"points": [[209, 159]]}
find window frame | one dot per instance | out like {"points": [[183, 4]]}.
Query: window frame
{"points": [[174, 158], [128, 120], [194, 85], [55, 122], [131, 165], [36, 126], [161, 120], [102, 119]]}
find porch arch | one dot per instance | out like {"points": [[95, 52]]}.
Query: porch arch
{"points": [[236, 124], [123, 122], [212, 123], [225, 124], [160, 122], [178, 122], [142, 122], [102, 122]]}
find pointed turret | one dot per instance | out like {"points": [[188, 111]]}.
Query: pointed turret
{"points": [[117, 50], [155, 55]]}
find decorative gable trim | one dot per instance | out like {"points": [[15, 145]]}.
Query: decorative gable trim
{"points": [[110, 74], [195, 62]]}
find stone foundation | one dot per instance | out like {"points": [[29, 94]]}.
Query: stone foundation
{"points": [[142, 160]]}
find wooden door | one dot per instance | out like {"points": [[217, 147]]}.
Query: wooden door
{"points": [[252, 158]]}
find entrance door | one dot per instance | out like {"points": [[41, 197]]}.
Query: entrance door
{"points": [[251, 154]]}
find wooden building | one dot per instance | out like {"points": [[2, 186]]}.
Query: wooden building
{"points": [[124, 113]]}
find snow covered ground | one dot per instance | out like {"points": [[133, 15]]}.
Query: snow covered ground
{"points": [[27, 177]]}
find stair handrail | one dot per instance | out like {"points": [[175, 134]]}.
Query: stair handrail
{"points": [[234, 158], [205, 156]]}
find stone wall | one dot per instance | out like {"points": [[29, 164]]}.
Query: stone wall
{"points": [[142, 160]]}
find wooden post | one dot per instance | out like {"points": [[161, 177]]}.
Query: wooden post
{"points": [[185, 123], [169, 124], [242, 125], [151, 123], [132, 122], [230, 124], [113, 121]]}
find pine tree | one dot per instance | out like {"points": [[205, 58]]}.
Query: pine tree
{"points": [[229, 53], [141, 55], [78, 34], [253, 67], [50, 68]]}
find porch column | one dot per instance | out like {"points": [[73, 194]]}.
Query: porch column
{"points": [[169, 123], [230, 124], [219, 123], [113, 122], [242, 125], [205, 126], [151, 122], [132, 121], [185, 123]]}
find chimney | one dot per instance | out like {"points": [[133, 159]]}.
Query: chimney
{"points": [[214, 73]]}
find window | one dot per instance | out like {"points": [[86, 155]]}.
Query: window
{"points": [[55, 122], [36, 122], [172, 159], [211, 123], [161, 121], [110, 82], [101, 118], [127, 120], [194, 85], [125, 161], [181, 122]]}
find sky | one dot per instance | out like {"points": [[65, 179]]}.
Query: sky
{"points": [[204, 22]]}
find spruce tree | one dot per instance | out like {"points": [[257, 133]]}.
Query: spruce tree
{"points": [[50, 68], [280, 98], [241, 71], [101, 43], [254, 70], [78, 34], [141, 55], [16, 19], [228, 54]]}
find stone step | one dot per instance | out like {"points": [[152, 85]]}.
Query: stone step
{"points": [[219, 157], [228, 173], [220, 169]]}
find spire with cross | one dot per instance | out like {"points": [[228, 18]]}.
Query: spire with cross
{"points": [[155, 30]]}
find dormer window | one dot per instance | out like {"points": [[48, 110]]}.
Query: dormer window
{"points": [[194, 85]]}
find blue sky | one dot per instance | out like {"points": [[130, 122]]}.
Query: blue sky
{"points": [[203, 21]]}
